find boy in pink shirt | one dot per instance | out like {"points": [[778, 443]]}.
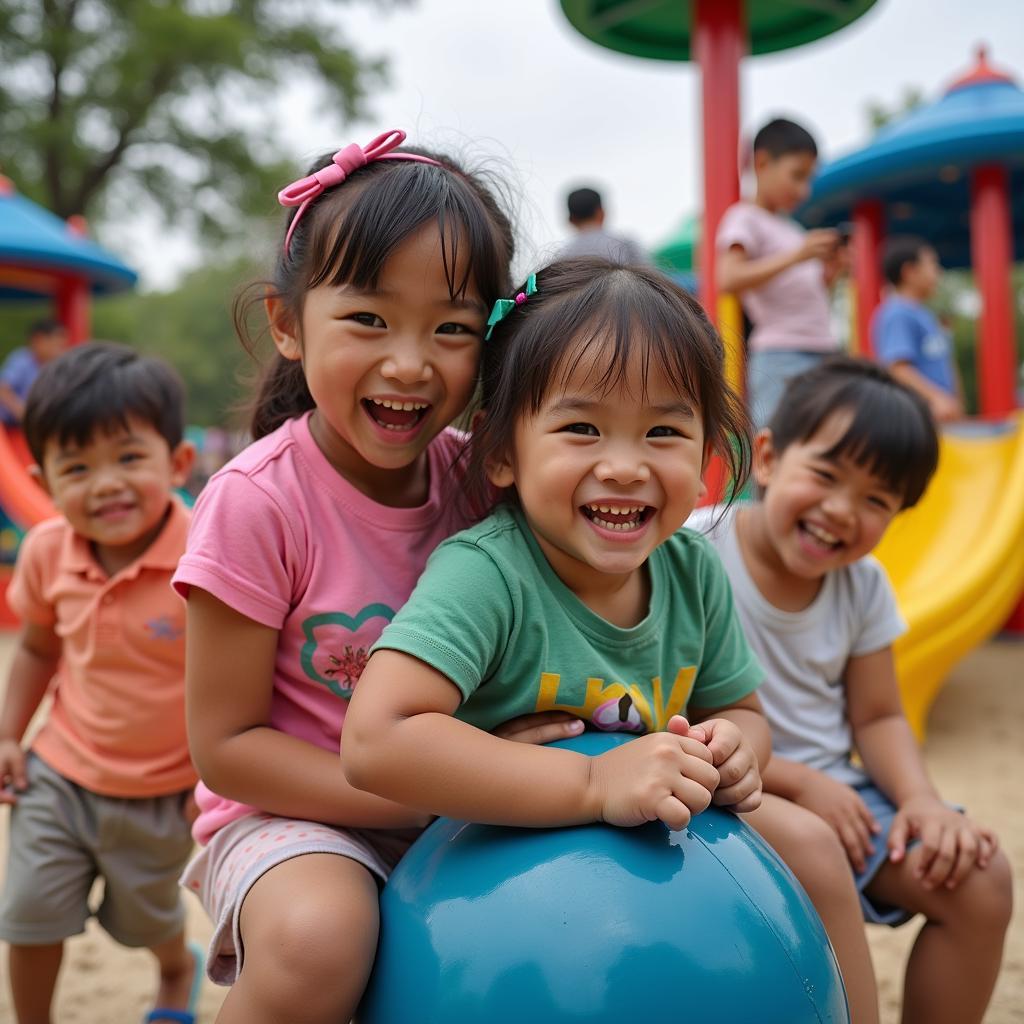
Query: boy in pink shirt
{"points": [[104, 789], [781, 272]]}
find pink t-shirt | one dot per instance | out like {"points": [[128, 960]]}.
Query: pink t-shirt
{"points": [[281, 538], [790, 311]]}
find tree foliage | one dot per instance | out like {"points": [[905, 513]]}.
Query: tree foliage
{"points": [[880, 114], [191, 327], [106, 105]]}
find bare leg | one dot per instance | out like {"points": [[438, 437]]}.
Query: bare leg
{"points": [[955, 960], [34, 971], [309, 930], [176, 972], [815, 855]]}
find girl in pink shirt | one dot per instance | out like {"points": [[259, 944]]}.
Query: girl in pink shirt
{"points": [[303, 548]]}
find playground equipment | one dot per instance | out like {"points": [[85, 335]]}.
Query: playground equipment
{"points": [[952, 172], [42, 257], [717, 33], [957, 560], [677, 255], [599, 924]]}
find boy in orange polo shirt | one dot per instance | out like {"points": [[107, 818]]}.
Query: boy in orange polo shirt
{"points": [[104, 789]]}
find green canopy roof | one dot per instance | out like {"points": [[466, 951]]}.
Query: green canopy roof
{"points": [[661, 29], [679, 252]]}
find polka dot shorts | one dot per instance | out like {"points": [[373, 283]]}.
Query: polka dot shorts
{"points": [[224, 871]]}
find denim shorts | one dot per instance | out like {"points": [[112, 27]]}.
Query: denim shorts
{"points": [[884, 812], [769, 372]]}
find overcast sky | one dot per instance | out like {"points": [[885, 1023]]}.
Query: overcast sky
{"points": [[513, 82]]}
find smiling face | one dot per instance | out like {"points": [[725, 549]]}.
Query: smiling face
{"points": [[388, 368], [606, 475], [819, 513], [114, 490]]}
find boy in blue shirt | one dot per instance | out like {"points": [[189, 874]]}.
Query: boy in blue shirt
{"points": [[906, 334], [46, 340]]}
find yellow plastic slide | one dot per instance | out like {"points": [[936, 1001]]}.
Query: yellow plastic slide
{"points": [[957, 559]]}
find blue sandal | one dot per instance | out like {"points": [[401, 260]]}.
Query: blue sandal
{"points": [[187, 1016]]}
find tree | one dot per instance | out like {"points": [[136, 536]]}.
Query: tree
{"points": [[191, 327], [880, 114], [108, 105]]}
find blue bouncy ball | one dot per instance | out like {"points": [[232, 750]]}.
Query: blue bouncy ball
{"points": [[489, 925]]}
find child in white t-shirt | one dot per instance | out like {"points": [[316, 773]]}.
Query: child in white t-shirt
{"points": [[848, 448]]}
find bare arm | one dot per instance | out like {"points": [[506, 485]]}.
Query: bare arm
{"points": [[32, 668], [952, 844], [9, 400], [944, 406], [229, 683], [402, 743], [34, 665], [881, 733], [736, 272], [786, 778]]}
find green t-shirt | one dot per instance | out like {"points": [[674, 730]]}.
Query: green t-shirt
{"points": [[490, 613]]}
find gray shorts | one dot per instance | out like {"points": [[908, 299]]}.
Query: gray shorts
{"points": [[241, 852], [64, 837]]}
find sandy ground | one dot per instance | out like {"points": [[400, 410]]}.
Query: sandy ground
{"points": [[975, 751]]}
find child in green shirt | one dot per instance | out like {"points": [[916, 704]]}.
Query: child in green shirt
{"points": [[603, 399]]}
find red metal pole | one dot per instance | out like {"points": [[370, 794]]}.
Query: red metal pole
{"points": [[991, 257], [72, 302], [868, 232], [719, 42]]}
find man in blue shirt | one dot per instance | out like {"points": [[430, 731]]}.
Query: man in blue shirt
{"points": [[46, 340], [906, 334]]}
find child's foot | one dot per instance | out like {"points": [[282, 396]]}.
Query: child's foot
{"points": [[177, 996]]}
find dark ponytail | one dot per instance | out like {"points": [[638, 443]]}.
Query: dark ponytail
{"points": [[282, 394]]}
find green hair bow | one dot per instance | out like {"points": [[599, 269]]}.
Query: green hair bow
{"points": [[503, 307]]}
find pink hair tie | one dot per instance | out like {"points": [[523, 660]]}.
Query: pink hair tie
{"points": [[302, 192]]}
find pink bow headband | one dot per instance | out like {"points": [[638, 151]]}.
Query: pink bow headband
{"points": [[302, 192]]}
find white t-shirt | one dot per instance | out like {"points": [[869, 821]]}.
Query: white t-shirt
{"points": [[804, 654]]}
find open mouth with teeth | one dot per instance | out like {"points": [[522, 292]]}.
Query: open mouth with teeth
{"points": [[819, 535], [392, 414], [621, 518]]}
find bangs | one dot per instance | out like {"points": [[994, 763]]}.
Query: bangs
{"points": [[890, 431], [81, 426], [100, 387], [107, 405], [889, 447], [624, 329], [618, 327], [351, 246]]}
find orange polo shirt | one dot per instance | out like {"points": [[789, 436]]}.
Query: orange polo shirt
{"points": [[117, 723]]}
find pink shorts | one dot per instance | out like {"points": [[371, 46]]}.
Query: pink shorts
{"points": [[224, 870]]}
